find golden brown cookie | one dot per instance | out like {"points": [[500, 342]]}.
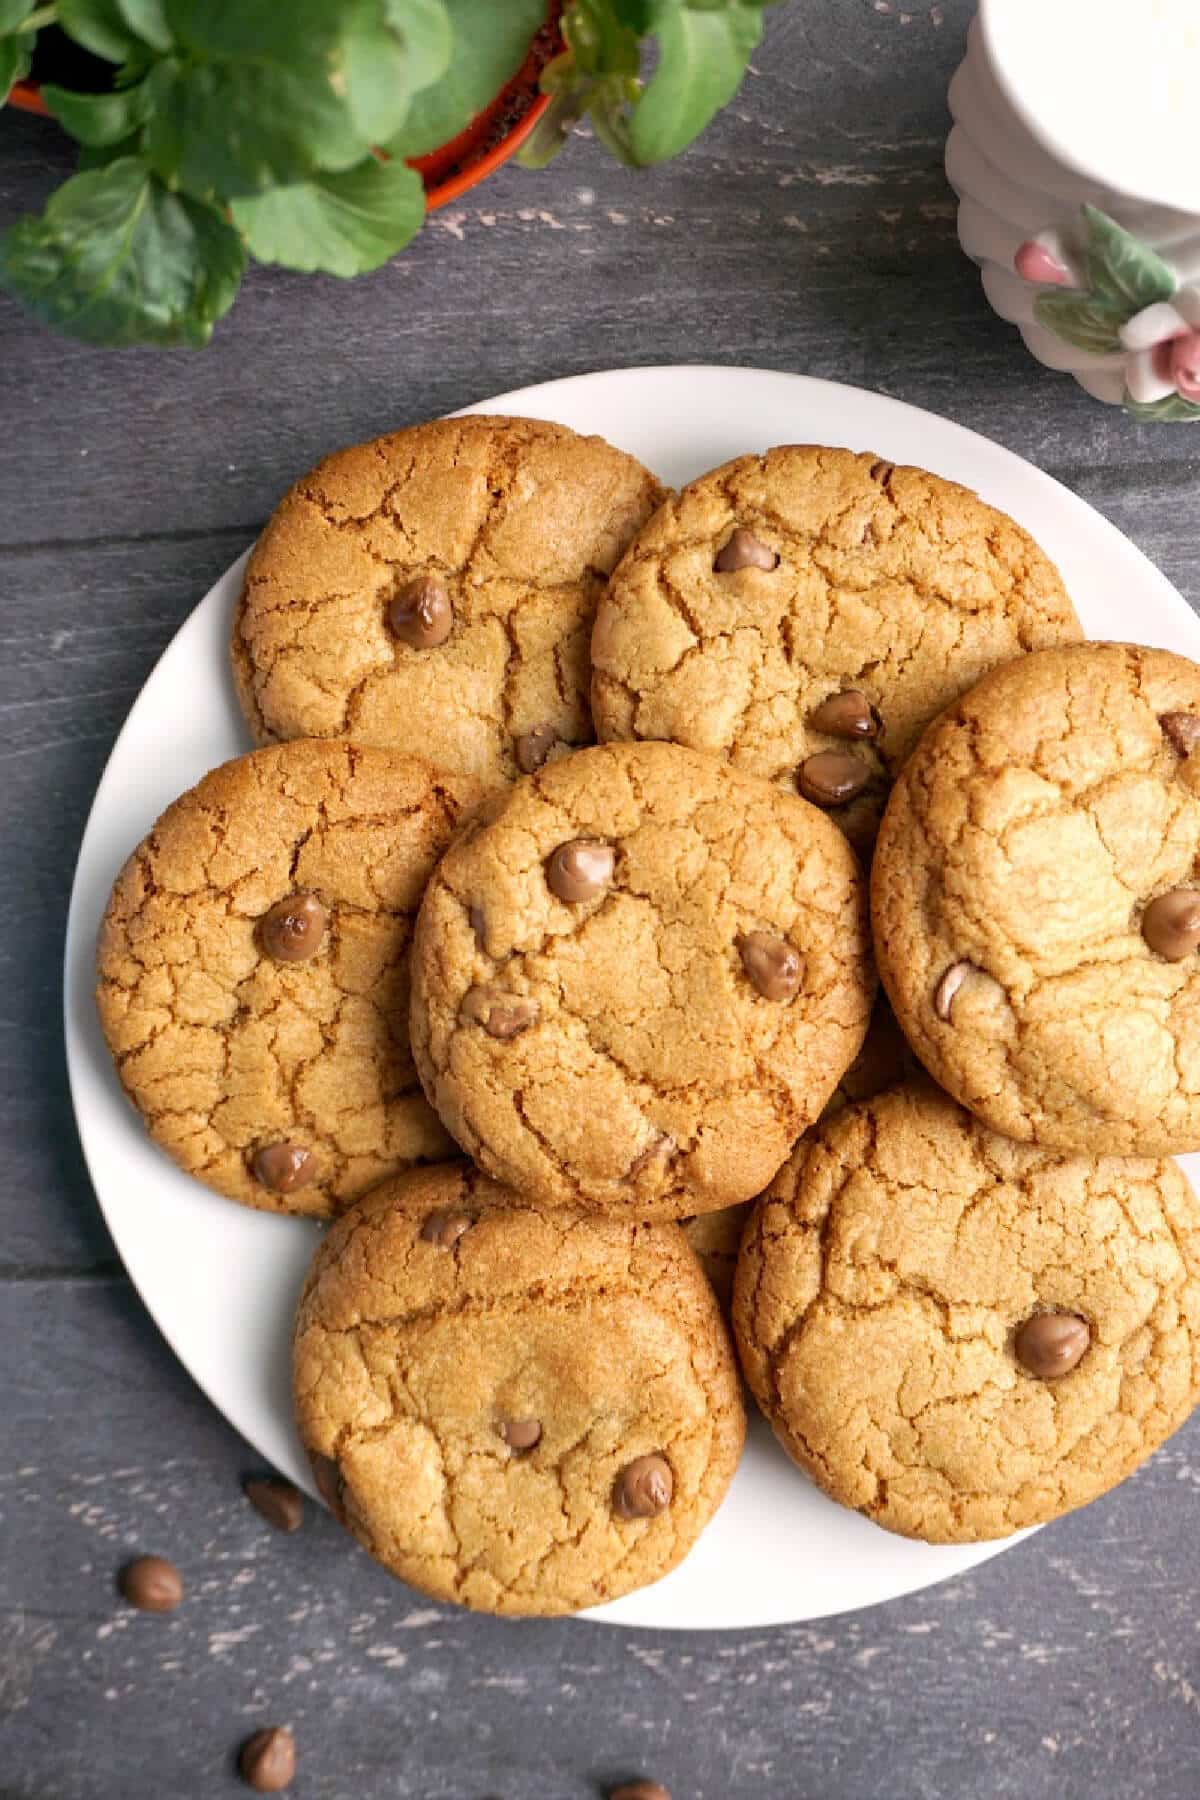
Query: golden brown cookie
{"points": [[435, 590], [805, 613], [253, 972], [715, 1237], [520, 1410], [1037, 900], [959, 1335], [637, 979]]}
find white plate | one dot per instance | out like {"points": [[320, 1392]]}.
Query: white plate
{"points": [[221, 1281]]}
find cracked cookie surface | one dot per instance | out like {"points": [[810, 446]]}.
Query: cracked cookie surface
{"points": [[253, 972], [849, 577], [494, 537], [522, 1411], [656, 1043], [1037, 824], [887, 1290]]}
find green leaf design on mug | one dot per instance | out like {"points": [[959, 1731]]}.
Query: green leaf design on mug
{"points": [[1123, 269], [1085, 320], [1174, 409]]}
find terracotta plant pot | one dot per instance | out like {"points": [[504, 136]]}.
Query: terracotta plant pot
{"points": [[489, 140]]}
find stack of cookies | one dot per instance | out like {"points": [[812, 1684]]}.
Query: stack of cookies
{"points": [[511, 1005]]}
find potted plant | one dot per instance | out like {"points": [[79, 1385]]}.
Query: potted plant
{"points": [[314, 134]]}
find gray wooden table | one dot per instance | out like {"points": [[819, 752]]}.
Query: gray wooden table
{"points": [[810, 230]]}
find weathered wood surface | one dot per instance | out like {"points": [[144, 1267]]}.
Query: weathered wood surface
{"points": [[810, 230]]}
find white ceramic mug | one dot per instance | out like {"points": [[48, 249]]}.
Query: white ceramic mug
{"points": [[1075, 154]]}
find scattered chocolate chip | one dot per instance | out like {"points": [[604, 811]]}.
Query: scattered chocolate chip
{"points": [[533, 747], [284, 1167], [267, 1761], [421, 614], [658, 1150], [279, 1501], [882, 472], [948, 986], [744, 551], [772, 965], [580, 870], [330, 1485], [846, 715], [1050, 1344], [832, 777], [1182, 730], [521, 1434], [644, 1488], [444, 1228], [152, 1584], [1171, 924], [293, 929], [501, 1015], [639, 1790]]}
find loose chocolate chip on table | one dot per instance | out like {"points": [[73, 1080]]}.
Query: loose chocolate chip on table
{"points": [[832, 777], [267, 1761], [1171, 924], [744, 551], [772, 965], [580, 870], [644, 1488], [1182, 730], [533, 747], [328, 1478], [521, 1434], [293, 929], [948, 986], [1050, 1344], [639, 1790], [846, 715], [421, 614], [279, 1501], [284, 1167], [152, 1584], [501, 1015], [444, 1228]]}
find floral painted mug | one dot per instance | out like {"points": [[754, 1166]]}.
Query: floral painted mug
{"points": [[1075, 154]]}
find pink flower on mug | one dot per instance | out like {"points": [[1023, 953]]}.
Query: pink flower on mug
{"points": [[1044, 260], [1162, 344]]}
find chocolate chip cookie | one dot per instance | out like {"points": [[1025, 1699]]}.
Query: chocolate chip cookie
{"points": [[520, 1410], [1036, 893], [959, 1335], [435, 590], [637, 979], [806, 613], [253, 972]]}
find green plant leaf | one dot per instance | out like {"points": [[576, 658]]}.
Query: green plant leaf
{"points": [[702, 59], [13, 14], [100, 26], [341, 224], [1174, 409], [1123, 269], [148, 21], [118, 259], [98, 156], [400, 47], [15, 55], [1084, 320], [489, 45], [98, 119]]}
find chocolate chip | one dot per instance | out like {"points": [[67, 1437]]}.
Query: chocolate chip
{"points": [[846, 715], [744, 551], [1182, 730], [267, 1761], [772, 964], [639, 1790], [293, 929], [444, 1228], [832, 777], [421, 614], [152, 1584], [477, 920], [948, 986], [882, 472], [284, 1167], [1050, 1344], [1171, 924], [533, 747], [521, 1434], [279, 1501], [330, 1484], [501, 1015], [580, 870], [644, 1488]]}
